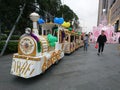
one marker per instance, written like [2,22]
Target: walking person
[119,40]
[101,40]
[86,40]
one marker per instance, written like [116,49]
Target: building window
[112,3]
[116,26]
[104,3]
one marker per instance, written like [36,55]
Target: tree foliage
[10,9]
[66,13]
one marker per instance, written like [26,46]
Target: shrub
[13,37]
[12,47]
[3,37]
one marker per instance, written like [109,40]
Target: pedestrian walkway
[88,71]
[78,71]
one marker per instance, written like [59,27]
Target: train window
[44,32]
[72,39]
[62,36]
[66,38]
[81,37]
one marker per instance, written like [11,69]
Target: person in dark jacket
[119,40]
[101,41]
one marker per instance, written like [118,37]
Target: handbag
[96,45]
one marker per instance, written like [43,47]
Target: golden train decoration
[35,55]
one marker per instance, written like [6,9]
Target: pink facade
[112,37]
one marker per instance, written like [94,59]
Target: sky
[86,10]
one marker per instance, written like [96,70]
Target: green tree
[9,11]
[66,13]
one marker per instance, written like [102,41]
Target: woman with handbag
[101,42]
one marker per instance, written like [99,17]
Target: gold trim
[44,66]
[45,39]
[49,63]
[52,57]
[27,57]
[34,51]
[62,46]
[27,69]
[32,71]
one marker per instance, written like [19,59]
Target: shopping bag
[96,45]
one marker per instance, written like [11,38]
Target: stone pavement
[78,71]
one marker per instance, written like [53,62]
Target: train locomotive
[36,53]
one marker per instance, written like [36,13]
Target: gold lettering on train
[22,67]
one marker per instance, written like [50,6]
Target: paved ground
[78,71]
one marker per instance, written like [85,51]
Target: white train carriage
[72,41]
[78,41]
[35,54]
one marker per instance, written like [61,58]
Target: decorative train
[36,53]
